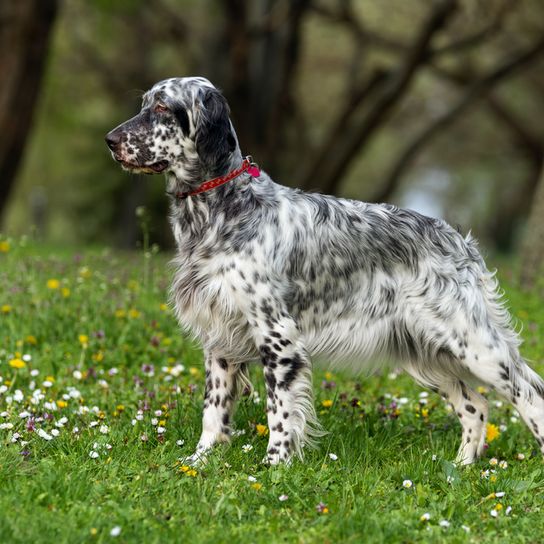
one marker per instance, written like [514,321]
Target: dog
[265,272]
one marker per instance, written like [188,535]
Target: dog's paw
[275,457]
[199,458]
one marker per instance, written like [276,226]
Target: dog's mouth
[153,168]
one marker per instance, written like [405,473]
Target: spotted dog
[265,272]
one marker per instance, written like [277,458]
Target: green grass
[54,491]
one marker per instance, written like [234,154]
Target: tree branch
[334,157]
[475,92]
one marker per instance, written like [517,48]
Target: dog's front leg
[287,372]
[219,399]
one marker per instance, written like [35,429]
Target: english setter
[269,273]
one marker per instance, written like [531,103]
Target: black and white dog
[269,273]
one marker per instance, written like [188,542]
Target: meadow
[100,400]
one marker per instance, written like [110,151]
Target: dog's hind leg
[223,383]
[471,409]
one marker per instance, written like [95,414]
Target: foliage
[120,394]
[327,95]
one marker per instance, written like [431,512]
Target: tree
[25,28]
[532,257]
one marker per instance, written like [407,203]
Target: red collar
[247,166]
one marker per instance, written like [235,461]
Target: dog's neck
[191,216]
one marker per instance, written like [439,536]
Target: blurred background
[435,105]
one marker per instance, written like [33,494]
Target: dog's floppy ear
[214,137]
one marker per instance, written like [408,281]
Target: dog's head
[183,128]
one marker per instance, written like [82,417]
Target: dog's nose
[112,139]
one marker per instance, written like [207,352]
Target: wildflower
[62,404]
[257,486]
[327,403]
[65,292]
[6,426]
[163,307]
[444,523]
[425,517]
[492,432]
[508,510]
[77,374]
[4,246]
[494,513]
[283,498]
[94,531]
[333,456]
[55,432]
[104,429]
[119,313]
[133,313]
[520,456]
[465,528]
[85,273]
[17,363]
[116,531]
[83,340]
[53,284]
[180,442]
[407,484]
[322,508]
[503,465]
[94,454]
[161,430]
[42,434]
[31,340]
[262,430]
[247,447]
[5,308]
[144,438]
[251,479]
[493,461]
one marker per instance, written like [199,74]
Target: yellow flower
[256,486]
[53,284]
[498,506]
[4,246]
[65,292]
[17,363]
[481,389]
[425,412]
[327,403]
[83,340]
[120,313]
[262,430]
[94,531]
[49,379]
[31,340]
[193,371]
[98,357]
[328,376]
[62,404]
[5,309]
[134,313]
[163,307]
[85,273]
[120,407]
[191,472]
[492,432]
[184,468]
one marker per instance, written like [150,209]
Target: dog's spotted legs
[219,399]
[287,371]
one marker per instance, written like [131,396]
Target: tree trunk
[532,255]
[25,27]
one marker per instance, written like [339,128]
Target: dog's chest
[207,299]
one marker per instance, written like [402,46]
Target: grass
[122,389]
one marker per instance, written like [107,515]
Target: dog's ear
[214,140]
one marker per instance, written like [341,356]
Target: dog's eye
[160,108]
